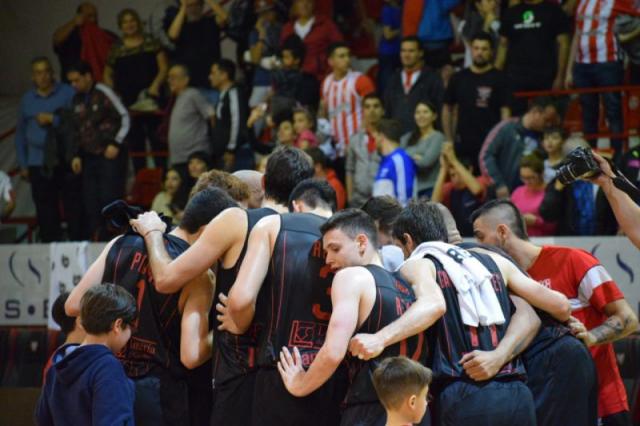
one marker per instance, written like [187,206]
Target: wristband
[148,232]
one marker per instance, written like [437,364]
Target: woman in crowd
[304,125]
[529,196]
[173,198]
[424,145]
[136,68]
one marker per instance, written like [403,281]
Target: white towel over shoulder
[477,299]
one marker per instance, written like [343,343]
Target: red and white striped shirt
[343,100]
[597,42]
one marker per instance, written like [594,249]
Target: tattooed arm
[621,322]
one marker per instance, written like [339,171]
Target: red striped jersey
[589,287]
[595,22]
[343,101]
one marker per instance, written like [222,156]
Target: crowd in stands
[434,117]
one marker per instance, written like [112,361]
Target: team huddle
[293,314]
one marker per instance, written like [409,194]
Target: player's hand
[366,346]
[76,165]
[579,330]
[607,174]
[291,370]
[147,222]
[226,323]
[482,365]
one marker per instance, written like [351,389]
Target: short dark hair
[352,222]
[384,210]
[129,11]
[202,156]
[335,46]
[228,67]
[318,156]
[390,129]
[296,46]
[423,221]
[509,215]
[183,66]
[413,39]
[314,193]
[67,324]
[103,304]
[286,167]
[397,378]
[483,36]
[81,68]
[372,95]
[555,130]
[203,207]
[541,103]
[534,162]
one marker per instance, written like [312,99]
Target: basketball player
[171,333]
[283,279]
[223,243]
[365,298]
[601,313]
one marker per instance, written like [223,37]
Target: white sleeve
[125,120]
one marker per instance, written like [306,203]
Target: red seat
[147,184]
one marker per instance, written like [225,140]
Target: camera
[579,164]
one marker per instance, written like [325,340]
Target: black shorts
[491,403]
[273,405]
[372,414]
[233,401]
[161,402]
[564,384]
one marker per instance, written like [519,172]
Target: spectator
[363,159]
[424,145]
[475,100]
[196,37]
[80,39]
[253,180]
[7,196]
[316,31]
[322,172]
[458,189]
[342,93]
[528,197]
[627,28]
[286,134]
[173,198]
[384,210]
[101,124]
[596,61]
[263,45]
[232,185]
[552,143]
[86,382]
[189,122]
[480,16]
[411,84]
[511,139]
[402,386]
[290,81]
[38,117]
[396,175]
[534,47]
[229,131]
[137,64]
[199,163]
[429,20]
[389,47]
[303,125]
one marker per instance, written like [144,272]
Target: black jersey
[298,299]
[393,297]
[234,355]
[154,346]
[449,338]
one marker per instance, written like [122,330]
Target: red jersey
[597,42]
[589,287]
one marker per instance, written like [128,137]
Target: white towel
[472,280]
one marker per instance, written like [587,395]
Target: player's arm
[523,327]
[620,323]
[195,339]
[426,310]
[241,302]
[346,292]
[91,278]
[170,275]
[551,301]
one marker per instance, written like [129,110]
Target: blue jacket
[30,136]
[435,24]
[86,385]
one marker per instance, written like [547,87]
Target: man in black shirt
[284,280]
[534,48]
[171,333]
[197,38]
[476,99]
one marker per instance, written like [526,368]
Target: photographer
[624,208]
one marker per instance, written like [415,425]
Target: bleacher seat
[147,184]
